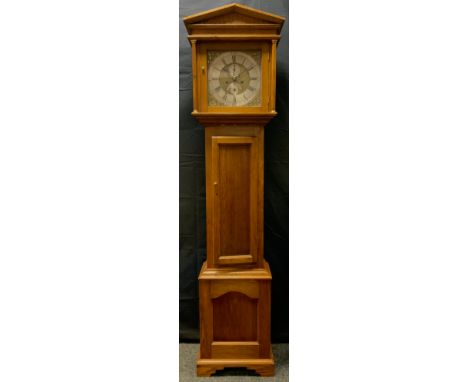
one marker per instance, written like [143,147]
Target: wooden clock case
[235,280]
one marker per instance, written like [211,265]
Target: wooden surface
[249,288]
[225,19]
[235,327]
[227,28]
[263,367]
[234,317]
[235,273]
[206,319]
[235,281]
[235,349]
[234,176]
[234,195]
[194,75]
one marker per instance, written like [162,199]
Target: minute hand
[232,78]
[245,70]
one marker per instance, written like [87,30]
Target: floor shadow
[239,371]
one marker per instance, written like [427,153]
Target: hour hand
[227,71]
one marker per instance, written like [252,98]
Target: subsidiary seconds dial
[234,79]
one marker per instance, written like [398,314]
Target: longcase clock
[234,77]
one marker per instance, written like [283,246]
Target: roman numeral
[253,78]
[218,88]
[251,88]
[233,59]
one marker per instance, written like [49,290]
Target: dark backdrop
[192,231]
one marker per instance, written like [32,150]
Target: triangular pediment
[233,18]
[233,14]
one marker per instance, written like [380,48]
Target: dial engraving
[238,74]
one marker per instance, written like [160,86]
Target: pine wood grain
[234,197]
[235,318]
[235,281]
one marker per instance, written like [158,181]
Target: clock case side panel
[193,44]
[202,75]
[257,219]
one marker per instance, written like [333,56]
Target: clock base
[235,319]
[265,367]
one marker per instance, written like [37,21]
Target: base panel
[265,367]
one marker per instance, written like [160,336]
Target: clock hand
[230,75]
[225,70]
[245,70]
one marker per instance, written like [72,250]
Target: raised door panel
[235,202]
[234,318]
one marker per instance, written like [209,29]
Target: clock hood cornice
[233,22]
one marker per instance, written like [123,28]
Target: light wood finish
[237,273]
[252,136]
[234,195]
[235,319]
[227,16]
[206,319]
[240,349]
[265,367]
[250,288]
[263,318]
[234,27]
[273,75]
[235,281]
[194,76]
[235,182]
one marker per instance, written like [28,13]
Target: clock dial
[234,78]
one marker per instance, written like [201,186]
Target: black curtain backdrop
[192,229]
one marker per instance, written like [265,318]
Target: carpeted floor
[188,358]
